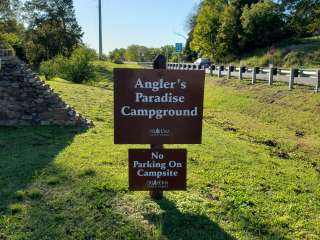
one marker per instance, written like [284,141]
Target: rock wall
[26,100]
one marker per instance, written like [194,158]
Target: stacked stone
[26,100]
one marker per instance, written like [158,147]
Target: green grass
[104,70]
[300,53]
[256,175]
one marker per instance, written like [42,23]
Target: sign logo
[159,132]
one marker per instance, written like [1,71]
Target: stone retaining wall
[26,100]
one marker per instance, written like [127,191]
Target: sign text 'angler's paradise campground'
[167,97]
[158,107]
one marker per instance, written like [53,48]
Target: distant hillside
[291,53]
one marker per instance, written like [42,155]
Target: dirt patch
[269,143]
[222,81]
[264,187]
[212,197]
[300,133]
[209,119]
[230,129]
[281,154]
[271,98]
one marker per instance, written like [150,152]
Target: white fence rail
[310,77]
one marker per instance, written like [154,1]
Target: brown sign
[163,169]
[158,106]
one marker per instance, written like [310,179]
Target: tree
[189,54]
[52,29]
[9,9]
[168,51]
[228,36]
[303,16]
[135,53]
[224,30]
[12,32]
[207,27]
[262,24]
[117,55]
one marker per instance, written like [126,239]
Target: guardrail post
[254,75]
[229,72]
[317,80]
[219,72]
[291,78]
[211,71]
[271,76]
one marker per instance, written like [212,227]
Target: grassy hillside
[256,175]
[292,53]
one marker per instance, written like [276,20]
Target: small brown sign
[163,169]
[158,106]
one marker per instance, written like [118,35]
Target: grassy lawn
[256,175]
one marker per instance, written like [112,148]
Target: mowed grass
[256,175]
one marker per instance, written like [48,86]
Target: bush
[118,61]
[78,68]
[53,68]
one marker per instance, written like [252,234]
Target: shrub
[294,58]
[78,68]
[53,68]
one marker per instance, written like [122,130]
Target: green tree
[169,51]
[52,29]
[117,55]
[137,53]
[262,24]
[228,36]
[303,17]
[207,26]
[12,32]
[9,9]
[189,54]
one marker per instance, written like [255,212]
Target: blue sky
[146,22]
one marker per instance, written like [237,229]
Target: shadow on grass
[174,224]
[85,211]
[24,153]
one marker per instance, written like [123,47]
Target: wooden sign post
[158,106]
[159,63]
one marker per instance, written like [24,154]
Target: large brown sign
[158,106]
[163,169]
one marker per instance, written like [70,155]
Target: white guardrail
[309,77]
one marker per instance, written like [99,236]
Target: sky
[152,23]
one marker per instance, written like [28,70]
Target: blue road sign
[178,47]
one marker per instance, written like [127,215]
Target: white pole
[254,75]
[291,79]
[270,75]
[317,80]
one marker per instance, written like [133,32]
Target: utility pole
[100,32]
